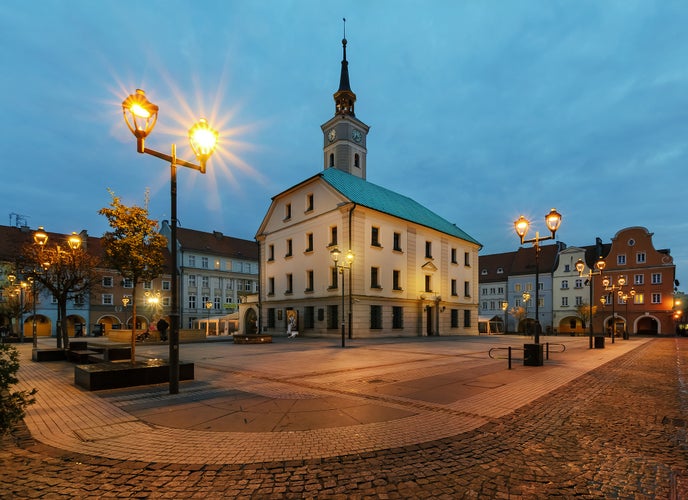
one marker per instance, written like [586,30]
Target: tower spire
[344,98]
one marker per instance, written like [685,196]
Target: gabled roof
[383,200]
[492,263]
[524,261]
[217,243]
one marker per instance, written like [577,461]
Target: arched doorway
[43,326]
[647,325]
[571,325]
[614,324]
[250,322]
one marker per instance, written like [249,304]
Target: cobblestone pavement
[618,431]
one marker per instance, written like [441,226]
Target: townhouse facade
[642,302]
[216,272]
[412,273]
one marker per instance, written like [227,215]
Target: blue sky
[480,110]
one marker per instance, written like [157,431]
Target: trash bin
[533,355]
[599,341]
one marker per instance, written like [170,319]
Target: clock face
[356,135]
[332,134]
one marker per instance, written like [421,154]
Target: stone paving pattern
[617,430]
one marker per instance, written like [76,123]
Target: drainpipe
[351,290]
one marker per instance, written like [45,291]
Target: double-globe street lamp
[614,289]
[526,298]
[626,297]
[340,267]
[40,238]
[580,267]
[533,353]
[141,115]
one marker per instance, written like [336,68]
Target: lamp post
[349,258]
[208,306]
[141,115]
[40,238]
[521,225]
[505,306]
[580,266]
[626,297]
[526,298]
[614,288]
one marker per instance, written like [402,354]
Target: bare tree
[134,248]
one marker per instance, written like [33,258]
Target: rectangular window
[397,242]
[396,279]
[564,302]
[564,284]
[128,283]
[454,291]
[517,287]
[271,252]
[640,257]
[271,286]
[453,256]
[309,281]
[375,317]
[192,302]
[639,298]
[466,288]
[656,278]
[579,300]
[454,318]
[205,281]
[656,298]
[334,275]
[166,285]
[621,259]
[204,262]
[467,319]
[466,259]
[107,299]
[217,303]
[271,317]
[192,280]
[428,284]
[428,249]
[192,261]
[397,317]
[332,316]
[289,248]
[147,285]
[333,236]
[309,242]
[309,202]
[290,284]
[374,277]
[579,283]
[107,281]
[638,279]
[166,301]
[375,236]
[287,211]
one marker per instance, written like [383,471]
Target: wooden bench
[79,356]
[48,354]
[113,375]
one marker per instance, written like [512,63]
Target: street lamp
[626,297]
[614,288]
[580,266]
[505,306]
[349,259]
[526,298]
[40,238]
[521,225]
[140,116]
[208,306]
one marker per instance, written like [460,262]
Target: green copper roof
[383,200]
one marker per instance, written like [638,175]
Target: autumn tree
[64,268]
[583,312]
[134,248]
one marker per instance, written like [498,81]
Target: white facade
[569,292]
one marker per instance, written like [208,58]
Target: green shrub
[12,404]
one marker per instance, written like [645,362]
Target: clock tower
[344,145]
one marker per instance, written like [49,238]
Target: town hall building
[340,254]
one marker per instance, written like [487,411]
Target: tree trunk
[133,325]
[63,324]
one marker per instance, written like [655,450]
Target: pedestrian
[162,326]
